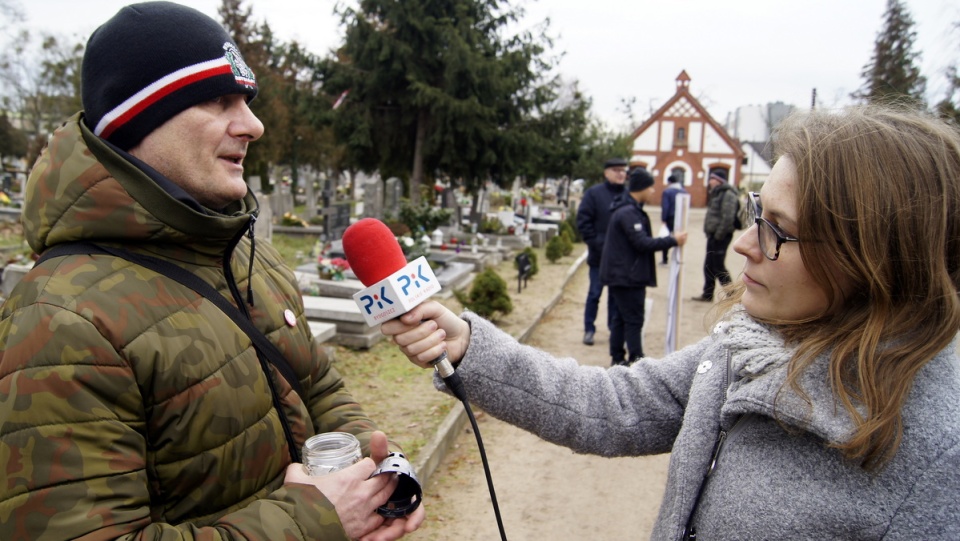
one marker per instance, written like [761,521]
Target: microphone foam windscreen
[372,251]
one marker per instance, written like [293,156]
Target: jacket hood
[83,188]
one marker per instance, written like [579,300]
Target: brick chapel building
[681,137]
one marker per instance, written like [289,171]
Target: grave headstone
[484,204]
[336,216]
[255,185]
[265,219]
[448,200]
[373,199]
[393,192]
[309,191]
[282,200]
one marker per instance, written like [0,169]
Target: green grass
[395,393]
[290,245]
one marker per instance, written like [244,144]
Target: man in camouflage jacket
[129,405]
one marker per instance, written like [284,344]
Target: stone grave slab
[322,332]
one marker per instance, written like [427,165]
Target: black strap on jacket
[266,350]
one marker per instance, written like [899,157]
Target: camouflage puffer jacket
[130,407]
[721,214]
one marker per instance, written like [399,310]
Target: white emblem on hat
[241,70]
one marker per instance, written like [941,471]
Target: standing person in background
[131,406]
[628,265]
[668,205]
[825,403]
[719,225]
[593,215]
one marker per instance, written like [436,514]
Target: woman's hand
[427,331]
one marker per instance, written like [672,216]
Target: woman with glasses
[825,403]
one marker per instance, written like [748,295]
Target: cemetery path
[546,491]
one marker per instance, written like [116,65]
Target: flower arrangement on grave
[290,219]
[412,247]
[329,268]
[333,269]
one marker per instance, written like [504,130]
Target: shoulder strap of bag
[194,282]
[263,346]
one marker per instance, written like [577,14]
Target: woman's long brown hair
[879,195]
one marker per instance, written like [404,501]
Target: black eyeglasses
[768,235]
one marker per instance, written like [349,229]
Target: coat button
[290,318]
[704,366]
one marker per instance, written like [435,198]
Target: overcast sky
[738,52]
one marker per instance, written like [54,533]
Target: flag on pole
[674,293]
[341,99]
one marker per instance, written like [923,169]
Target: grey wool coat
[773,479]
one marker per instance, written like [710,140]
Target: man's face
[645,195]
[615,175]
[202,149]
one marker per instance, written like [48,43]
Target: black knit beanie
[639,180]
[150,62]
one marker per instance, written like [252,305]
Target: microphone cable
[453,382]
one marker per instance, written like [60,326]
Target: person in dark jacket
[132,407]
[718,225]
[628,264]
[668,204]
[593,215]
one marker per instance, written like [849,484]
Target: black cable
[455,385]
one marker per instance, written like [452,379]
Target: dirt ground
[547,492]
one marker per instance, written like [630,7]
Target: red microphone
[372,250]
[393,287]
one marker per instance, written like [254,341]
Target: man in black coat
[592,218]
[628,264]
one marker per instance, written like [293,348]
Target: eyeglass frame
[760,222]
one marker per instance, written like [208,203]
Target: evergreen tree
[602,145]
[436,89]
[892,74]
[560,133]
[949,107]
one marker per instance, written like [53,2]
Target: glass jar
[329,452]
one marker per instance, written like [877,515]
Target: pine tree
[949,107]
[892,75]
[438,89]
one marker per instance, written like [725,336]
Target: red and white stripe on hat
[158,90]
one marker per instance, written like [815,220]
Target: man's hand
[681,237]
[356,496]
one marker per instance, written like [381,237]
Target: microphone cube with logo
[398,293]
